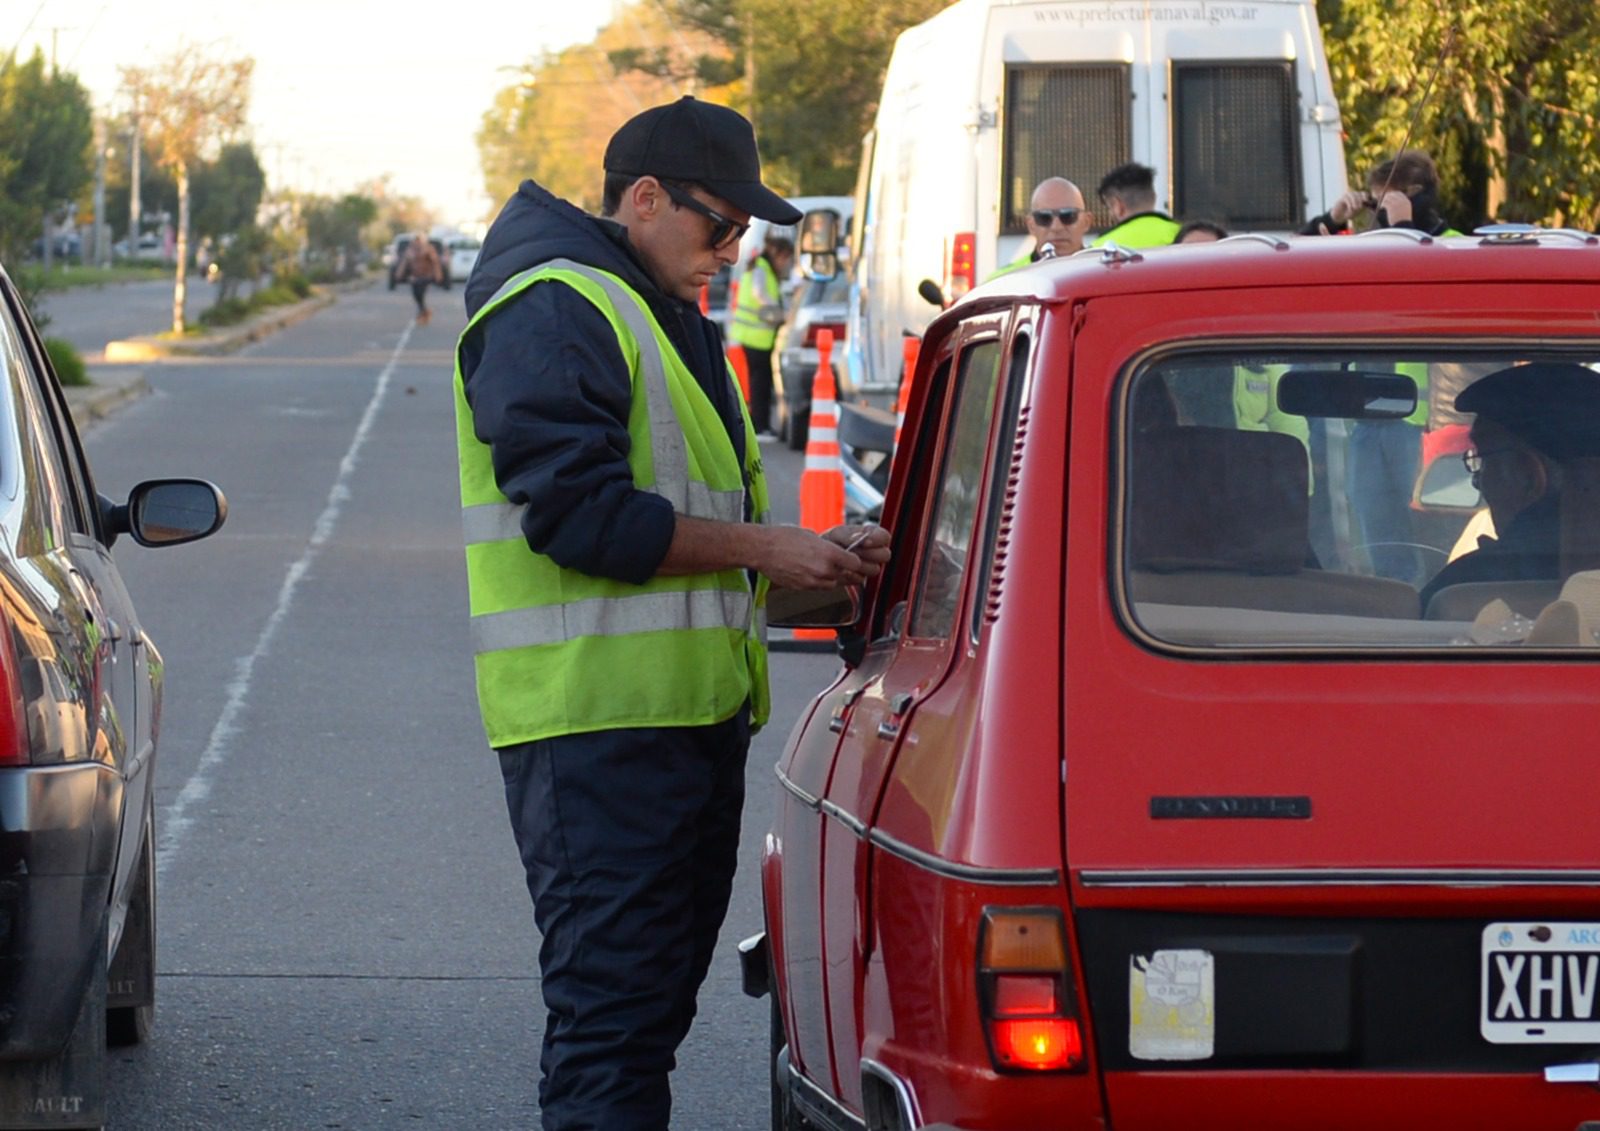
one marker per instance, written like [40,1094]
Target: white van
[1229,103]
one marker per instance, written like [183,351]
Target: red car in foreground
[1152,793]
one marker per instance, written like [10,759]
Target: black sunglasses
[1068,216]
[723,230]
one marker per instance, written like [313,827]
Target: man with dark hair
[1402,192]
[1530,420]
[1129,192]
[618,560]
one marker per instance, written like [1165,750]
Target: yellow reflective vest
[758,290]
[1148,229]
[562,652]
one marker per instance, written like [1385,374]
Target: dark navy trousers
[629,839]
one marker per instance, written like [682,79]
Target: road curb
[89,403]
[151,347]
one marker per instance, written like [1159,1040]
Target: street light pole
[133,189]
[101,256]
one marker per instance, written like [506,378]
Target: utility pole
[133,188]
[102,253]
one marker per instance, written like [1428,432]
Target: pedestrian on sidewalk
[618,560]
[421,265]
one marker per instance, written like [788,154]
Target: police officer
[756,317]
[1057,221]
[618,559]
[1129,193]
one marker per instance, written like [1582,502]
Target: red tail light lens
[814,328]
[1030,1011]
[13,712]
[961,270]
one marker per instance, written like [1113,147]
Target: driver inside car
[1530,419]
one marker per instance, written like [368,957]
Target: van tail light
[13,713]
[815,328]
[961,267]
[1030,1010]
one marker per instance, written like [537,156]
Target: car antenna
[1438,65]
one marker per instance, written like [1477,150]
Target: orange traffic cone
[909,349]
[705,298]
[822,481]
[741,368]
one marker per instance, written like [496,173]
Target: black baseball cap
[1552,406]
[711,145]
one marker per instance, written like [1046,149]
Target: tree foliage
[46,148]
[227,192]
[1512,116]
[188,105]
[334,230]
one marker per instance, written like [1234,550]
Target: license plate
[1541,983]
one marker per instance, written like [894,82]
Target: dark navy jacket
[550,390]
[1529,549]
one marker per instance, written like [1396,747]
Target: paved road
[346,941]
[89,317]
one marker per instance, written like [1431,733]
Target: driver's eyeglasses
[1472,458]
[723,230]
[1067,216]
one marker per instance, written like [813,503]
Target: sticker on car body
[1172,1005]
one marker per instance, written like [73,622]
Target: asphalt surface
[345,938]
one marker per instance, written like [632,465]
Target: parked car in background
[462,257]
[1146,796]
[816,305]
[149,247]
[80,699]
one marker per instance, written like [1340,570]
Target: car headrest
[1216,498]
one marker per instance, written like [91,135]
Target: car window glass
[955,506]
[57,443]
[49,490]
[1294,499]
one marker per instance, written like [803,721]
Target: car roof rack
[1510,235]
[1414,235]
[1276,243]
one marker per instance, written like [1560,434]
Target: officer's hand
[795,558]
[1348,205]
[1396,207]
[868,541]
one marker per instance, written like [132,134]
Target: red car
[1161,786]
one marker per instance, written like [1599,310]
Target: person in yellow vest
[1057,222]
[1129,194]
[618,558]
[756,318]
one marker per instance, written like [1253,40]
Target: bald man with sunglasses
[618,558]
[1056,219]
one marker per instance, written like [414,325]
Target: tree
[187,105]
[227,192]
[334,229]
[46,148]
[1512,118]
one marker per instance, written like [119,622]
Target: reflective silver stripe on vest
[668,453]
[610,616]
[502,522]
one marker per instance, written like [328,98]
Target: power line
[94,23]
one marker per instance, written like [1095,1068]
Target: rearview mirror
[167,512]
[813,608]
[819,243]
[1446,485]
[1348,394]
[930,292]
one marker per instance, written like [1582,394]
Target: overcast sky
[344,90]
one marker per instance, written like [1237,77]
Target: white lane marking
[179,817]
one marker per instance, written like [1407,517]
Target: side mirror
[819,243]
[813,608]
[930,292]
[168,512]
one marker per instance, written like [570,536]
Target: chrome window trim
[1341,877]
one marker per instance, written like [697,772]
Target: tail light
[1030,1010]
[961,268]
[13,713]
[814,328]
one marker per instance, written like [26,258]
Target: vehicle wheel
[799,427]
[784,1115]
[133,969]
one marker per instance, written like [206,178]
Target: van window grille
[1070,121]
[1236,144]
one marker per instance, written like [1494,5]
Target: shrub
[69,367]
[297,284]
[226,312]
